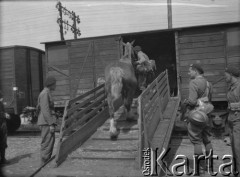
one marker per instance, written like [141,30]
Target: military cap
[50,80]
[233,71]
[197,67]
[137,48]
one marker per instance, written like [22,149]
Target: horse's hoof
[130,119]
[113,135]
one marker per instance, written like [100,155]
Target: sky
[32,22]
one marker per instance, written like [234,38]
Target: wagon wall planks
[233,46]
[7,74]
[83,61]
[23,77]
[57,56]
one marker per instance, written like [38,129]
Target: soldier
[233,96]
[198,134]
[47,119]
[3,131]
[143,66]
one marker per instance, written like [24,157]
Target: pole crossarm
[72,15]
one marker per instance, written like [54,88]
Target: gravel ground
[20,146]
[23,155]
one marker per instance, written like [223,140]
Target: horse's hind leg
[112,130]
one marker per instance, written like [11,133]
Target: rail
[151,106]
[82,116]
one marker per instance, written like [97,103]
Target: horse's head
[128,52]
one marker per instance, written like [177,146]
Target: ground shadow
[18,158]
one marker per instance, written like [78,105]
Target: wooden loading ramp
[100,156]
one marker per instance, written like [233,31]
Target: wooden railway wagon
[214,48]
[79,64]
[21,67]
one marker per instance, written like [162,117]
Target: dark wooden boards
[84,62]
[21,67]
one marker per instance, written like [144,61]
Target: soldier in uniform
[232,75]
[3,131]
[198,134]
[143,66]
[47,119]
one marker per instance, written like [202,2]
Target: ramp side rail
[151,105]
[82,116]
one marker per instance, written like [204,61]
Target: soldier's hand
[52,128]
[7,116]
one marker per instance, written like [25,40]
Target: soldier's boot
[3,159]
[200,165]
[209,162]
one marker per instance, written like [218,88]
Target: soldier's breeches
[47,143]
[3,136]
[234,125]
[197,136]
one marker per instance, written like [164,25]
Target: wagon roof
[20,46]
[142,32]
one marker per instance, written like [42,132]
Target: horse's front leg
[113,129]
[142,81]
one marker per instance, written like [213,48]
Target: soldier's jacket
[46,115]
[2,113]
[233,96]
[144,62]
[197,88]
[142,57]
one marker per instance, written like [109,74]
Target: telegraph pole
[62,22]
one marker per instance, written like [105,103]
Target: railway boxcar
[21,77]
[79,64]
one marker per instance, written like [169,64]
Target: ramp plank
[105,155]
[109,144]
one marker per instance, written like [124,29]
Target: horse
[120,83]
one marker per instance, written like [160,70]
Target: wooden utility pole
[61,22]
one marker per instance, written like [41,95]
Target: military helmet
[197,117]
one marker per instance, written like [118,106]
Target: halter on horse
[120,83]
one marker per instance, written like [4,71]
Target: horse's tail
[116,74]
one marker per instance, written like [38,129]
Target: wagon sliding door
[88,58]
[206,47]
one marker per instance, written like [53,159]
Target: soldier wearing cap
[143,66]
[232,75]
[3,131]
[47,119]
[198,134]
